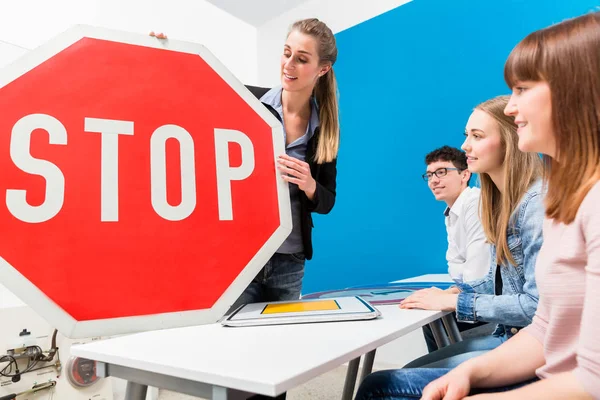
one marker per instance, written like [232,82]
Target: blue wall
[408,80]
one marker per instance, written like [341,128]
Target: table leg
[438,334]
[135,391]
[351,374]
[452,328]
[367,365]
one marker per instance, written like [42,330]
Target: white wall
[337,14]
[9,52]
[29,23]
[8,299]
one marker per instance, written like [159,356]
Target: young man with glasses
[468,254]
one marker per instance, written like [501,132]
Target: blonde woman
[306,103]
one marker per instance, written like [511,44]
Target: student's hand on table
[158,35]
[455,385]
[296,171]
[453,290]
[431,299]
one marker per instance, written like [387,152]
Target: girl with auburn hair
[555,77]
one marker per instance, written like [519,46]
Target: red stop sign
[138,188]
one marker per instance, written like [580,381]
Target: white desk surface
[250,358]
[445,278]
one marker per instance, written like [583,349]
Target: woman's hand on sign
[158,35]
[298,172]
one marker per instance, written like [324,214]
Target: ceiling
[256,12]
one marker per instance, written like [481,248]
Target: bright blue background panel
[408,81]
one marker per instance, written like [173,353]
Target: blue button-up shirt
[296,149]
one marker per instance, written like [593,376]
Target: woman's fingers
[292,165]
[410,304]
[158,35]
[293,161]
[291,180]
[290,171]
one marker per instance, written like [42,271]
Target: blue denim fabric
[280,279]
[517,304]
[456,353]
[403,384]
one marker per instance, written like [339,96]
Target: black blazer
[324,174]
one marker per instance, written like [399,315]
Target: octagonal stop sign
[139,188]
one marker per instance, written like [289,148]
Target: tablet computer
[302,311]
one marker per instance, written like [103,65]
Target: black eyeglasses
[440,173]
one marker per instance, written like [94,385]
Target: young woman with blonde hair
[306,103]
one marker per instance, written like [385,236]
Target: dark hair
[450,154]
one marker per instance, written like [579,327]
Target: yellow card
[301,306]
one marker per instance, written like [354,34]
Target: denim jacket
[516,306]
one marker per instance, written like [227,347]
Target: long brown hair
[567,57]
[520,171]
[325,90]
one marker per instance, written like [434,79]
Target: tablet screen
[301,306]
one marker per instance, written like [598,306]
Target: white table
[216,362]
[441,278]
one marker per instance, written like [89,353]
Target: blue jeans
[280,279]
[403,384]
[451,356]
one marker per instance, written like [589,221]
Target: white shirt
[468,253]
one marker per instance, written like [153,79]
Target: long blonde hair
[325,91]
[520,171]
[567,57]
